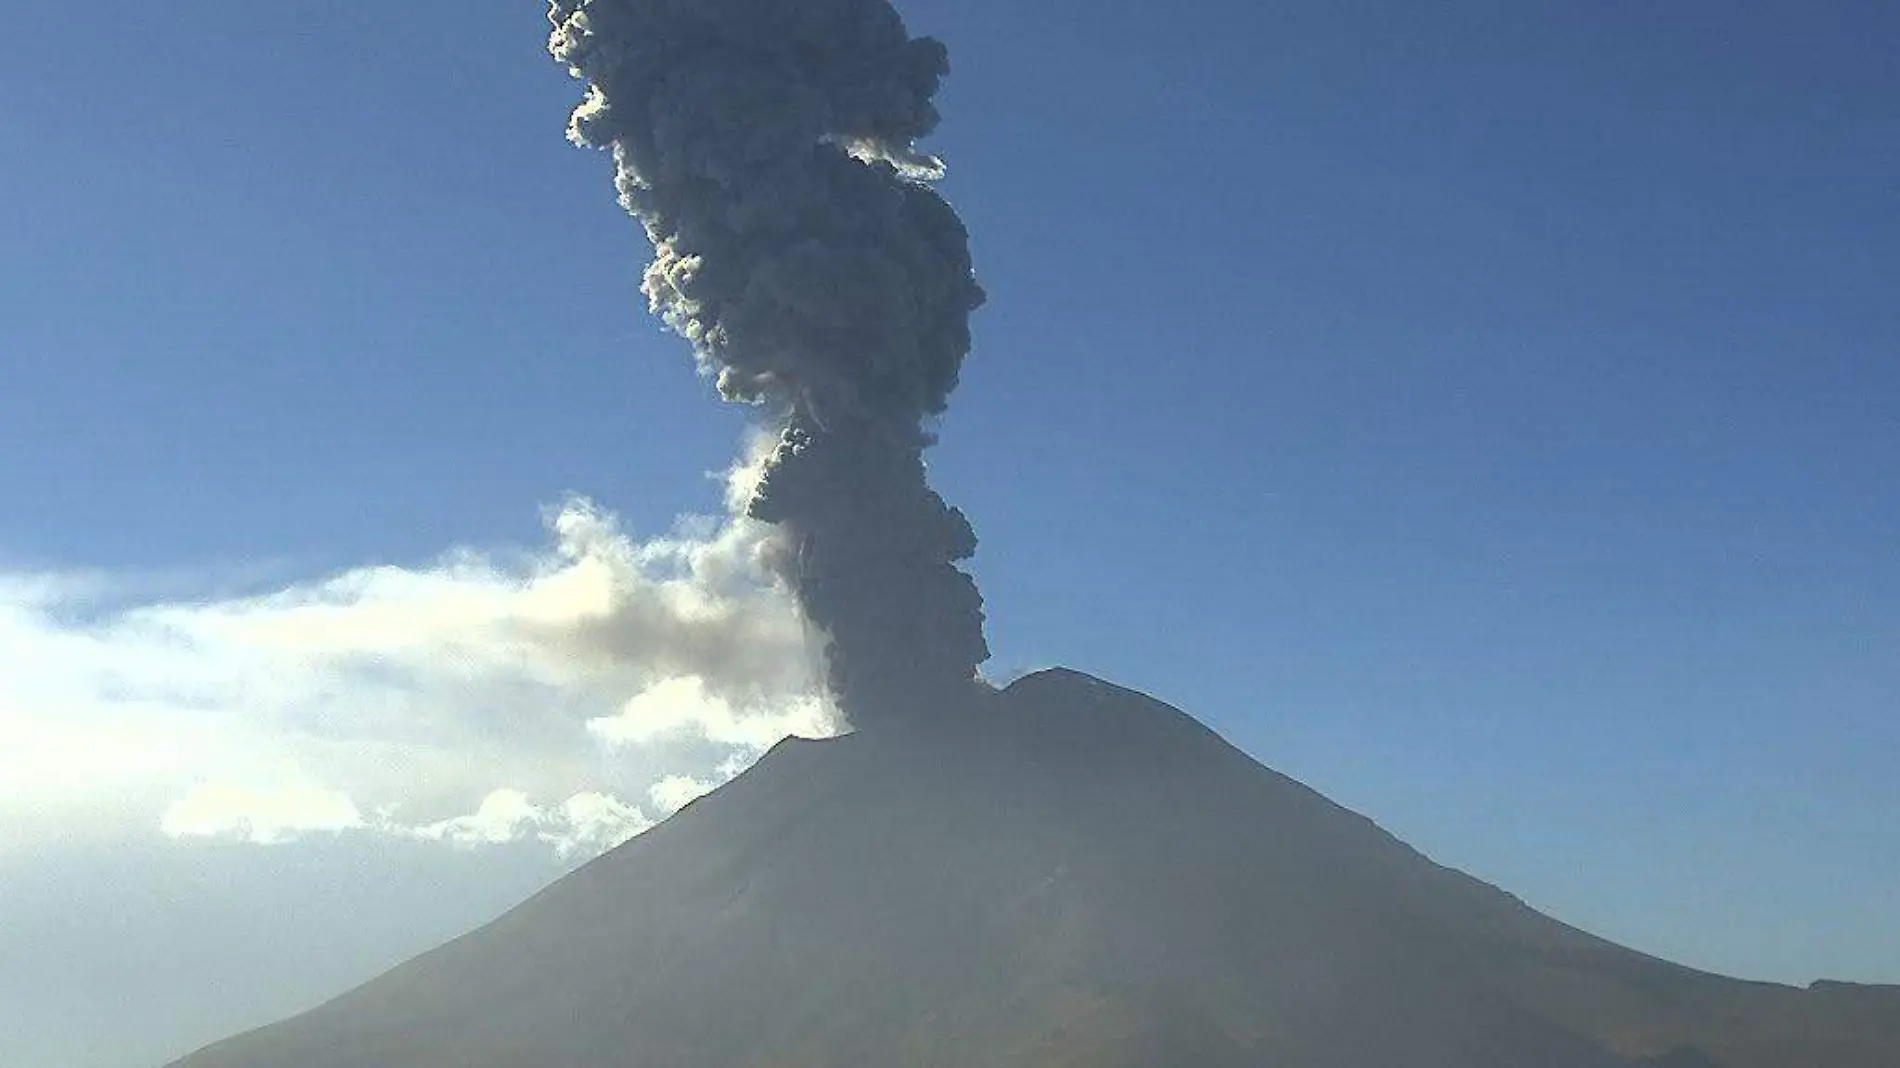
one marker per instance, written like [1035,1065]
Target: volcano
[1073,875]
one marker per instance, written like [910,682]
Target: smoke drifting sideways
[768,147]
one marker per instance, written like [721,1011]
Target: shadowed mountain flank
[1073,874]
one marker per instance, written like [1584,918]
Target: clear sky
[1485,413]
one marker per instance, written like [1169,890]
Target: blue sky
[1485,413]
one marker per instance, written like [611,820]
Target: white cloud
[675,792]
[588,671]
[593,823]
[266,816]
[504,816]
[583,824]
[687,705]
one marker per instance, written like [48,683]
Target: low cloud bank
[480,699]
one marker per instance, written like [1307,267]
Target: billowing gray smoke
[768,147]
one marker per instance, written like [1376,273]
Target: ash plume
[768,147]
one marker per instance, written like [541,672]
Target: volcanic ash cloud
[768,147]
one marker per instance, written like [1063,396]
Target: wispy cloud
[478,698]
[266,815]
[583,824]
[687,706]
[675,792]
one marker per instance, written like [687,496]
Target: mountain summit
[1073,876]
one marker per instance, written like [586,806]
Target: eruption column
[768,147]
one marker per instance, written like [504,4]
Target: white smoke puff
[705,607]
[912,164]
[745,476]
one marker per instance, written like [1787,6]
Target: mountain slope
[1072,875]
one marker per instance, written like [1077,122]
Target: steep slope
[1073,875]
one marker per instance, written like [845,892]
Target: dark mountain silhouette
[1077,875]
